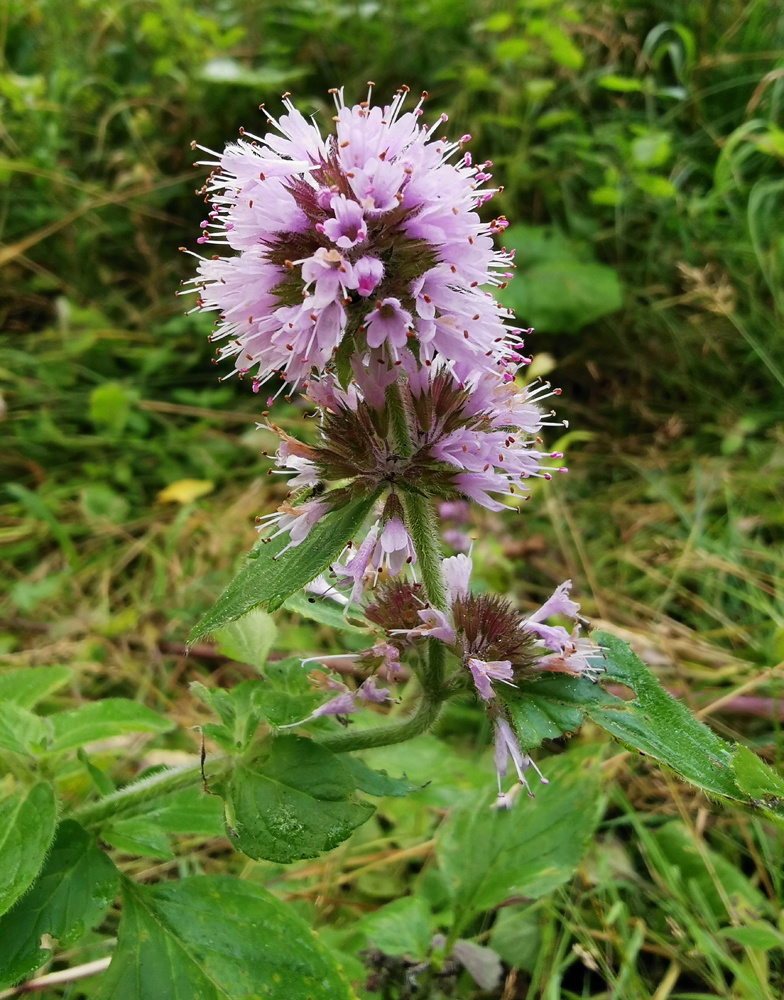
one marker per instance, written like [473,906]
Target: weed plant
[640,147]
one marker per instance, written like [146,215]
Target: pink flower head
[385,181]
[348,227]
[483,671]
[342,704]
[388,322]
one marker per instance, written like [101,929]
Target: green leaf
[758,781]
[517,936]
[545,709]
[563,296]
[138,836]
[377,783]
[20,730]
[400,928]
[491,854]
[102,781]
[27,822]
[323,611]
[280,708]
[267,580]
[295,805]
[73,891]
[249,639]
[622,84]
[287,675]
[189,812]
[100,720]
[758,935]
[110,407]
[657,725]
[216,938]
[28,685]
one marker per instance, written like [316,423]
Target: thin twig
[56,978]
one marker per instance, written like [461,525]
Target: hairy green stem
[422,525]
[397,732]
[398,421]
[140,792]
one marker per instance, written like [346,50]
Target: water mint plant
[356,267]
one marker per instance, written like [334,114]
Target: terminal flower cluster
[365,239]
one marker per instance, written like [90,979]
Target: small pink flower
[389,322]
[483,671]
[348,227]
[457,573]
[394,548]
[368,272]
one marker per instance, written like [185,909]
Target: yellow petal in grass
[185,490]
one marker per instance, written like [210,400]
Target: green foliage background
[640,147]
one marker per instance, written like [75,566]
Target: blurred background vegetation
[640,149]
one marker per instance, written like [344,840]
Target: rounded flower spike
[307,228]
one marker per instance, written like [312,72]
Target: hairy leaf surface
[27,822]
[73,891]
[268,578]
[216,938]
[295,805]
[490,855]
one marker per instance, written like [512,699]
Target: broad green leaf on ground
[216,938]
[248,639]
[400,928]
[100,720]
[490,855]
[762,785]
[558,286]
[21,731]
[27,822]
[268,578]
[294,805]
[657,725]
[377,783]
[75,888]
[678,848]
[517,936]
[444,776]
[28,685]
[323,611]
[138,835]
